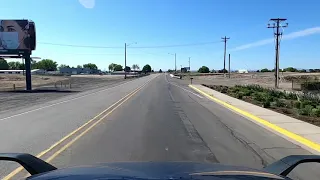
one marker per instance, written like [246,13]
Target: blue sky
[111,23]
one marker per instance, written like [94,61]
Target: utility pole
[229,66]
[125,60]
[225,39]
[175,62]
[277,35]
[189,64]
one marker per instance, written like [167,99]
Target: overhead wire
[132,47]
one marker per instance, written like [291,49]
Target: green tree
[90,66]
[64,66]
[16,65]
[111,66]
[127,69]
[118,67]
[204,69]
[222,71]
[290,69]
[160,71]
[79,66]
[146,68]
[47,64]
[265,70]
[3,64]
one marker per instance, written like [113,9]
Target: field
[48,88]
[262,79]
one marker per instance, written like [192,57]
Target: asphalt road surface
[163,120]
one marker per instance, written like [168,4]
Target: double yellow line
[84,128]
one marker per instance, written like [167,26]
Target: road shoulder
[296,131]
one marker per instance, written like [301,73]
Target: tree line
[289,69]
[118,67]
[50,65]
[46,64]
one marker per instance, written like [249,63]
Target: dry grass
[7,80]
[262,79]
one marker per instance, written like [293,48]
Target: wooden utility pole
[277,34]
[229,66]
[225,39]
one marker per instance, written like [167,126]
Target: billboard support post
[28,71]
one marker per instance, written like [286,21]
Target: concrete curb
[298,132]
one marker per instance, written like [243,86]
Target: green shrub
[258,96]
[305,103]
[247,92]
[307,110]
[315,112]
[235,89]
[297,104]
[292,96]
[224,89]
[239,95]
[275,93]
[270,98]
[255,87]
[280,103]
[266,104]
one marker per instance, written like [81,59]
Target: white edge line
[61,102]
[184,89]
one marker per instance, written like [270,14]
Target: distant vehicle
[41,170]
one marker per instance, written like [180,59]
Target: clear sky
[198,24]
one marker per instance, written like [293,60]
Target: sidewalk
[301,133]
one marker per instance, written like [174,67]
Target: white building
[242,71]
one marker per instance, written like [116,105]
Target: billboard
[16,36]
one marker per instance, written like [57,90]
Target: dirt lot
[7,81]
[51,89]
[263,79]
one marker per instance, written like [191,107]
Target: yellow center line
[308,143]
[124,99]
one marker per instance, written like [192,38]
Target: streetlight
[125,58]
[175,61]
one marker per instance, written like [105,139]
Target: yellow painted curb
[300,139]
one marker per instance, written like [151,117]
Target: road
[163,120]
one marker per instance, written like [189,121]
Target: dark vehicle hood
[155,170]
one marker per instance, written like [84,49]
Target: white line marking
[61,102]
[184,89]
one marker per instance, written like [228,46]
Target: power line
[133,47]
[177,45]
[80,46]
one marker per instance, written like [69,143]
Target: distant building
[242,71]
[78,71]
[122,72]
